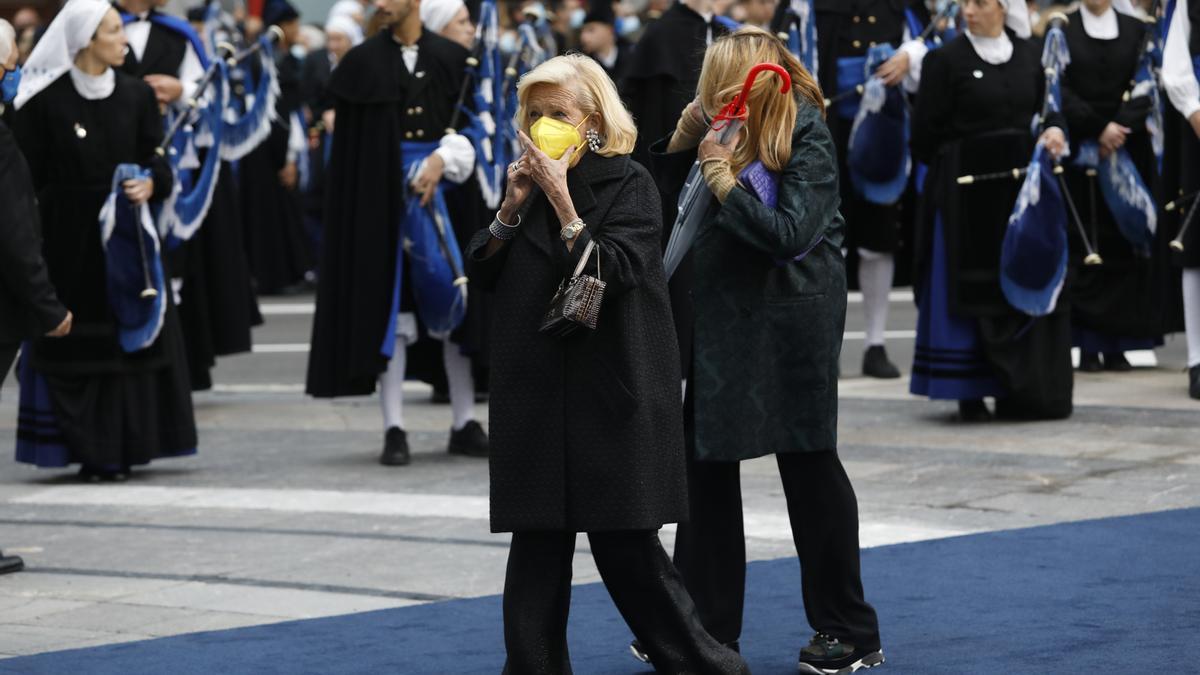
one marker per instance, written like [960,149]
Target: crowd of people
[157,175]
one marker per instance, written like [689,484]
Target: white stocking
[391,387]
[461,384]
[875,271]
[1191,314]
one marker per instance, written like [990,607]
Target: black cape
[365,189]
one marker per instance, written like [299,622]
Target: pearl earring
[593,139]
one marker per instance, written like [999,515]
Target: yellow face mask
[553,137]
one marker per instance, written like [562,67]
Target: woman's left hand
[711,147]
[549,174]
[139,191]
[1055,141]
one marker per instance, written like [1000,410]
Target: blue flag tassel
[137,293]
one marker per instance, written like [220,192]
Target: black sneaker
[826,655]
[1089,362]
[471,440]
[1194,382]
[395,448]
[10,563]
[640,654]
[1116,362]
[876,364]
[974,411]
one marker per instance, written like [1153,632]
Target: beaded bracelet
[502,230]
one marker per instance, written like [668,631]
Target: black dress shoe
[1089,362]
[471,440]
[90,474]
[10,563]
[395,448]
[1116,362]
[1194,382]
[974,410]
[876,364]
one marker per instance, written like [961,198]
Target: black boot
[1116,362]
[471,440]
[1194,382]
[395,448]
[10,563]
[876,364]
[974,410]
[1089,362]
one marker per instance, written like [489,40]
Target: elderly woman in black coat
[587,430]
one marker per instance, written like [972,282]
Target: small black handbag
[577,301]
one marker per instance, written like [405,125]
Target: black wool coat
[586,431]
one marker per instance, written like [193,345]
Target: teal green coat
[767,336]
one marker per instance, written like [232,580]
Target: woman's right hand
[520,184]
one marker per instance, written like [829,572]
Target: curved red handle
[737,108]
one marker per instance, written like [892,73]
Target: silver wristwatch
[571,230]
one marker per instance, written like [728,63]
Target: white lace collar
[93,87]
[1103,27]
[993,50]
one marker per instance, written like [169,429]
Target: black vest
[164,54]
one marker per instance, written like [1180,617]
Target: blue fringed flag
[1132,206]
[184,211]
[493,154]
[243,134]
[878,156]
[1056,56]
[801,26]
[137,294]
[1033,257]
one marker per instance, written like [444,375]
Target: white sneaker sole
[806,669]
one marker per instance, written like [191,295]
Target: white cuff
[297,142]
[458,156]
[916,50]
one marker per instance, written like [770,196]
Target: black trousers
[710,550]
[8,354]
[645,587]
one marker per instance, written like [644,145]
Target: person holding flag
[394,96]
[978,94]
[1180,56]
[114,393]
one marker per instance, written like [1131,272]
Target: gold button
[856,19]
[870,19]
[872,44]
[857,44]
[408,111]
[408,134]
[420,133]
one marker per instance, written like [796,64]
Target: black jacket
[28,304]
[587,431]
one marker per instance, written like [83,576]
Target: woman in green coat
[768,294]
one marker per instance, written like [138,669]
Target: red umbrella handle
[736,109]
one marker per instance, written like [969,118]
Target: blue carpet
[1091,597]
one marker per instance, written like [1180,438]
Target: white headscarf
[54,54]
[435,14]
[8,40]
[346,26]
[350,8]
[1017,18]
[1126,7]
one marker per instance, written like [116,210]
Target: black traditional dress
[973,117]
[216,301]
[277,247]
[1123,303]
[108,409]
[380,106]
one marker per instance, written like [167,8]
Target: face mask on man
[9,85]
[554,137]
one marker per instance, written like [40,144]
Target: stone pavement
[285,514]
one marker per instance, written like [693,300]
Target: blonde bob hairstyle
[594,93]
[772,116]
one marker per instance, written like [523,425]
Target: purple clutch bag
[764,184]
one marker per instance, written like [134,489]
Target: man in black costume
[846,30]
[394,96]
[598,39]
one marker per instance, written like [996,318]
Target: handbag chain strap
[587,253]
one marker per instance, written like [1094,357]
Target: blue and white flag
[1033,257]
[878,155]
[1132,206]
[137,293]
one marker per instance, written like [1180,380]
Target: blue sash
[175,25]
[426,241]
[137,293]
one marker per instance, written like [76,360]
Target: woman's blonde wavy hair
[768,131]
[594,93]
